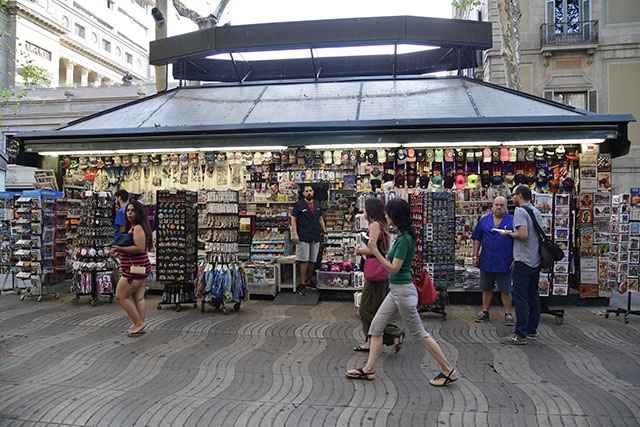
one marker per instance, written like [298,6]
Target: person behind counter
[308,229]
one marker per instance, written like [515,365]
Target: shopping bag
[426,290]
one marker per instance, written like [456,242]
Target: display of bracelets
[95,241]
[216,247]
[220,258]
[92,252]
[221,208]
[107,264]
[218,196]
[219,221]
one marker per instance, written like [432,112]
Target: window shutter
[592,101]
[585,17]
[550,27]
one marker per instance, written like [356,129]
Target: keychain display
[176,259]
[220,281]
[93,268]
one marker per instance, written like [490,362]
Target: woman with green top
[402,298]
[374,292]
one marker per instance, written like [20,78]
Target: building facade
[97,43]
[584,53]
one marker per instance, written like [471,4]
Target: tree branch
[201,21]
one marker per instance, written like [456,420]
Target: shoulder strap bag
[550,253]
[373,270]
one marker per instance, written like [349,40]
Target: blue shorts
[488,280]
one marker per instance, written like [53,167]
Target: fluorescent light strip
[351,146]
[158,150]
[452,144]
[78,153]
[247,148]
[331,147]
[501,143]
[559,142]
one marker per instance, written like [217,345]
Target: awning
[446,110]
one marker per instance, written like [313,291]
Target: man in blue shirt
[493,255]
[121,197]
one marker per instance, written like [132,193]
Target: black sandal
[361,375]
[359,348]
[447,379]
[398,347]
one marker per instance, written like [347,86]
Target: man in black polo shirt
[307,228]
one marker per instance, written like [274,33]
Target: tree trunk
[509,19]
[201,21]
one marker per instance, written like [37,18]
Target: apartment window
[106,45]
[568,16]
[110,4]
[587,100]
[128,58]
[79,31]
[574,99]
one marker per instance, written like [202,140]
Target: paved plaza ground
[283,365]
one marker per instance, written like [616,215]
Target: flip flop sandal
[447,379]
[136,333]
[359,348]
[361,375]
[398,347]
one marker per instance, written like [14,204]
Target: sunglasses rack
[438,247]
[92,267]
[418,203]
[177,253]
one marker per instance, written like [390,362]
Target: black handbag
[123,239]
[550,253]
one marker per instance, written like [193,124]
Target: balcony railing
[569,33]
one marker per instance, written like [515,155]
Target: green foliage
[461,4]
[34,75]
[9,93]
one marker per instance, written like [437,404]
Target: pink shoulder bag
[373,270]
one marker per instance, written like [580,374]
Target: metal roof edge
[425,125]
[168,92]
[322,33]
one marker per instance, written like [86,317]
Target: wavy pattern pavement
[277,365]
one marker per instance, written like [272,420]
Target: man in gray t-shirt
[526,268]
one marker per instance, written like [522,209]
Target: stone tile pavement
[280,365]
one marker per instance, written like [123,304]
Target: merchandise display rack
[624,255]
[61,241]
[7,208]
[417,203]
[34,228]
[220,278]
[270,243]
[339,260]
[92,267]
[439,238]
[177,253]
